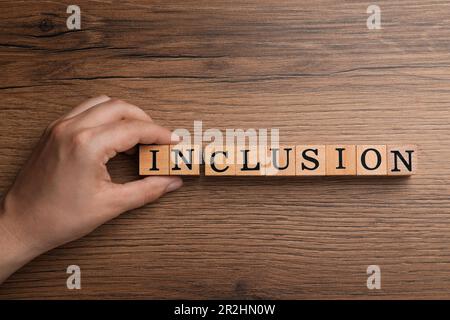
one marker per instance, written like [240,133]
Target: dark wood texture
[311,69]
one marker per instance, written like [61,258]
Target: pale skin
[64,191]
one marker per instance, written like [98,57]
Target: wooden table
[310,68]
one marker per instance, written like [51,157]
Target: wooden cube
[280,161]
[402,160]
[341,160]
[371,160]
[184,160]
[310,160]
[248,161]
[220,160]
[154,160]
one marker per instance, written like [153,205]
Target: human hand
[64,191]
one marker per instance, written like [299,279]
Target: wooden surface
[311,69]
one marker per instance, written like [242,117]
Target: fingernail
[176,184]
[175,138]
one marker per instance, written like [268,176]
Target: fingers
[109,111]
[86,105]
[121,136]
[135,194]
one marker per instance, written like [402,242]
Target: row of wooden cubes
[284,160]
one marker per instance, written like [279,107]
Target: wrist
[15,251]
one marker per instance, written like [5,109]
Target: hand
[65,191]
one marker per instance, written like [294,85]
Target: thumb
[137,193]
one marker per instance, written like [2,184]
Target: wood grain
[309,68]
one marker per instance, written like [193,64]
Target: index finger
[122,135]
